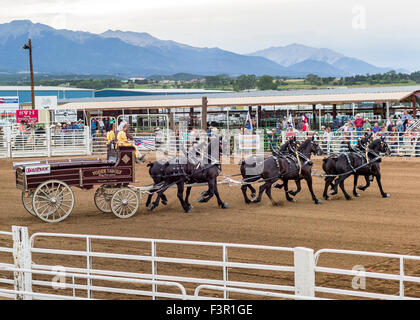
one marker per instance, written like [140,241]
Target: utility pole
[29,47]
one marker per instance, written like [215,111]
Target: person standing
[101,126]
[358,124]
[93,127]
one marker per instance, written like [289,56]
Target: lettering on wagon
[106,172]
[40,169]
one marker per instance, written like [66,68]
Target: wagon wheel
[103,196]
[124,203]
[27,201]
[53,201]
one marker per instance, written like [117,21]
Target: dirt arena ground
[369,223]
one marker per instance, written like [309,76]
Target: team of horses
[290,162]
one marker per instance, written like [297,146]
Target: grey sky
[384,33]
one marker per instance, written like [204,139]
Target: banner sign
[249,142]
[145,143]
[39,169]
[46,102]
[65,115]
[9,104]
[31,116]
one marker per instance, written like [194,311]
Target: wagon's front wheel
[124,203]
[53,201]
[27,197]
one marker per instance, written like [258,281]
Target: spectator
[74,126]
[93,127]
[358,124]
[101,126]
[390,125]
[327,139]
[367,125]
[106,124]
[376,128]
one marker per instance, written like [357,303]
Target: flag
[305,118]
[249,121]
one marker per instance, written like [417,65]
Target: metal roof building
[252,98]
[24,92]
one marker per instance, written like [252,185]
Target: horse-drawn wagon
[46,186]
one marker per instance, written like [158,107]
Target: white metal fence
[96,267]
[403,144]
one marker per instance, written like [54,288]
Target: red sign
[27,115]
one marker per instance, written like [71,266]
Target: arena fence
[401,144]
[103,267]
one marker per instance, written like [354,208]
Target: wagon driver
[122,140]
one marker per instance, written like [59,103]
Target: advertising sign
[9,104]
[65,115]
[46,102]
[38,169]
[31,116]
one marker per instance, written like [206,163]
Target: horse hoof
[225,206]
[253,195]
[164,202]
[361,188]
[151,208]
[291,200]
[318,201]
[247,201]
[348,198]
[386,195]
[256,201]
[327,198]
[276,204]
[333,193]
[356,195]
[201,200]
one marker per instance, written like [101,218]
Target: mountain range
[125,53]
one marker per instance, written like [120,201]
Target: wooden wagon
[46,186]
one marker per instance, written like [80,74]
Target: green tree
[266,83]
[245,82]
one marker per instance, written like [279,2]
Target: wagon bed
[46,186]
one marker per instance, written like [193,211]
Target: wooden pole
[204,114]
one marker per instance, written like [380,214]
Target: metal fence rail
[27,278]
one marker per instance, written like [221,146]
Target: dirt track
[369,223]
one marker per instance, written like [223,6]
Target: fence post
[304,272]
[88,141]
[49,140]
[8,132]
[22,260]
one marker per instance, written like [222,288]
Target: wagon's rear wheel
[124,203]
[53,201]
[103,196]
[27,197]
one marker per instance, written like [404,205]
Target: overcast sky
[385,33]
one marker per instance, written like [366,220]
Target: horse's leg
[378,180]
[299,188]
[253,191]
[340,182]
[149,199]
[243,189]
[187,195]
[286,191]
[154,205]
[260,193]
[356,177]
[210,193]
[164,199]
[308,178]
[363,188]
[180,195]
[221,204]
[328,182]
[268,192]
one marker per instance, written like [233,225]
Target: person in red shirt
[358,123]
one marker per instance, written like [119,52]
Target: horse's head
[380,146]
[292,144]
[361,143]
[316,149]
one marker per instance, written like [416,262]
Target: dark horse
[252,168]
[300,167]
[342,166]
[182,170]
